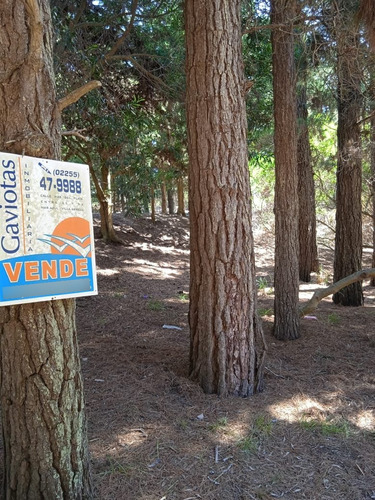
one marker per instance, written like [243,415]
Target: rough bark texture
[227,345]
[286,196]
[308,251]
[42,403]
[372,159]
[348,240]
[41,388]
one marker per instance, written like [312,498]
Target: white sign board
[46,232]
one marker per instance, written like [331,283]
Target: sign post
[46,231]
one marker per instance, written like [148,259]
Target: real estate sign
[46,232]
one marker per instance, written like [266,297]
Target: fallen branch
[312,304]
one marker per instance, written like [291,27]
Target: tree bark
[227,346]
[286,312]
[163,198]
[105,205]
[180,197]
[170,201]
[348,239]
[42,403]
[153,208]
[44,430]
[372,160]
[308,252]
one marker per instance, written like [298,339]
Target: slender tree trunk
[227,346]
[287,318]
[105,208]
[153,210]
[163,198]
[44,430]
[170,201]
[348,240]
[123,203]
[308,252]
[180,197]
[106,205]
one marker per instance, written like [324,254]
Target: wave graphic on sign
[84,251]
[71,236]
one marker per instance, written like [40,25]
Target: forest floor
[154,435]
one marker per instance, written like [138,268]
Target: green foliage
[265,311]
[333,319]
[326,427]
[134,124]
[155,305]
[221,423]
[261,429]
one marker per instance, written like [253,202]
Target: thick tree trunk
[42,403]
[227,347]
[372,159]
[46,454]
[348,240]
[286,195]
[308,252]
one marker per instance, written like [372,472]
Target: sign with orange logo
[46,232]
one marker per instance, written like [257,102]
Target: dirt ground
[154,435]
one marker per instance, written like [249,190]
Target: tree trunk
[105,208]
[348,240]
[372,160]
[227,346]
[170,201]
[106,205]
[308,252]
[123,203]
[153,210]
[286,311]
[163,198]
[42,403]
[180,197]
[44,430]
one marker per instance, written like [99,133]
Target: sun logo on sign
[70,237]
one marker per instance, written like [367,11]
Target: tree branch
[312,304]
[371,115]
[75,95]
[36,30]
[123,37]
[76,133]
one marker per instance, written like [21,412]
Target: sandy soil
[154,435]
